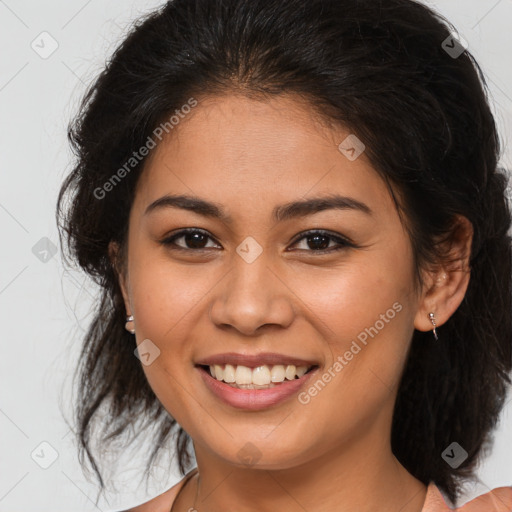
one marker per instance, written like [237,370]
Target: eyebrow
[280,213]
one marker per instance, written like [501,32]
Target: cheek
[365,314]
[164,296]
[349,302]
[166,302]
[367,322]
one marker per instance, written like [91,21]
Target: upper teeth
[261,375]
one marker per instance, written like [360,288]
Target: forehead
[237,149]
[242,128]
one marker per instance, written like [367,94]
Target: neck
[354,477]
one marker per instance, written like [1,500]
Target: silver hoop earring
[128,320]
[431,316]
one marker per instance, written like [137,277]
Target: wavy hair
[380,68]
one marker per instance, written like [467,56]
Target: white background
[44,308]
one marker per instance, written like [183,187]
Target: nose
[252,295]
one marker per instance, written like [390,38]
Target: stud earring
[431,316]
[128,320]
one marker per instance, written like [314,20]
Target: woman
[295,214]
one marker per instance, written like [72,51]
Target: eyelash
[344,242]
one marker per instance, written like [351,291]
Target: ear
[114,256]
[446,285]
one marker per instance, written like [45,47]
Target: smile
[289,380]
[260,377]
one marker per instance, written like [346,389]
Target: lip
[254,360]
[254,399]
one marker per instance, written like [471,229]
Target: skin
[334,453]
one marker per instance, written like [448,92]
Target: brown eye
[318,241]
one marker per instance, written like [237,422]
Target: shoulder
[497,500]
[164,501]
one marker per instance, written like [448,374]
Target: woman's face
[256,283]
